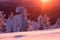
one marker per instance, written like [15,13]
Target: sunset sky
[35,7]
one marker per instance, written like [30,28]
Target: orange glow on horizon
[45,1]
[45,4]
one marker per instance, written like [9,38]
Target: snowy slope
[32,35]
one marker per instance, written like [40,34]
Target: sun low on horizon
[44,1]
[45,4]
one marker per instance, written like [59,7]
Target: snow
[51,34]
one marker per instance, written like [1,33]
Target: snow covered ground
[53,34]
